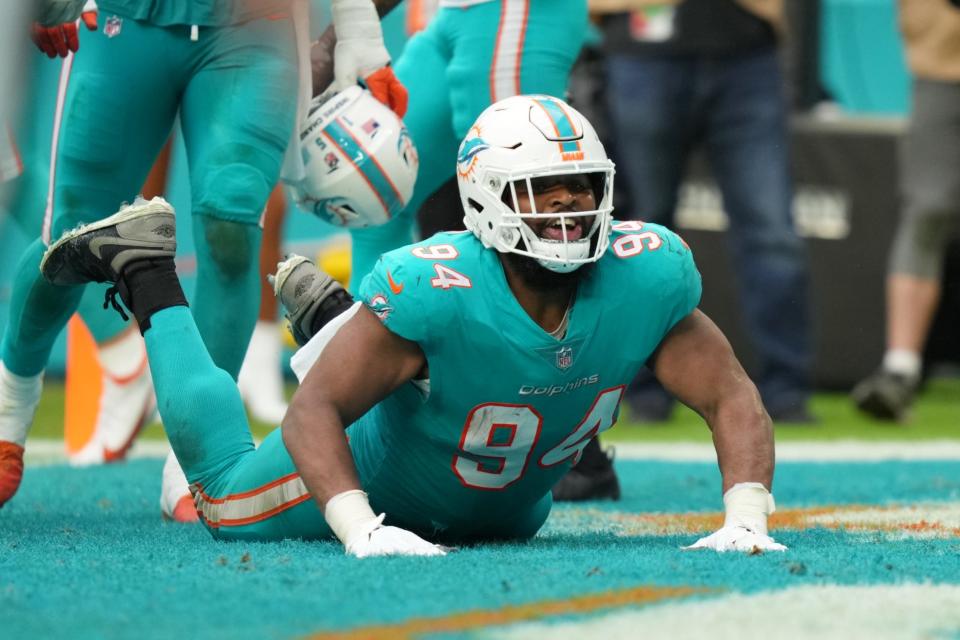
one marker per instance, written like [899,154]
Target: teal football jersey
[205,13]
[507,408]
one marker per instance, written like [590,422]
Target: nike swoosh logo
[396,288]
[102,241]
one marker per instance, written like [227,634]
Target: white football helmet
[520,139]
[360,161]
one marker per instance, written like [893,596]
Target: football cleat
[886,395]
[11,470]
[592,478]
[19,397]
[127,404]
[307,295]
[100,251]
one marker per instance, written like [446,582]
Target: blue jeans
[661,109]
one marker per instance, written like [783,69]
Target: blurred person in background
[692,73]
[13,40]
[230,70]
[930,213]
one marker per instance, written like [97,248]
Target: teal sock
[199,403]
[38,313]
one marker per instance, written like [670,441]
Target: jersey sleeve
[688,286]
[660,270]
[393,291]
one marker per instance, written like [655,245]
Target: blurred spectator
[706,72]
[930,184]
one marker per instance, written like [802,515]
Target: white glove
[361,55]
[363,534]
[736,539]
[747,506]
[374,539]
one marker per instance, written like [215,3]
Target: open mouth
[553,229]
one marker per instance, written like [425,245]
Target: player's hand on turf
[374,539]
[361,55]
[55,31]
[736,538]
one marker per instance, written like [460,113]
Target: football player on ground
[470,374]
[229,69]
[473,53]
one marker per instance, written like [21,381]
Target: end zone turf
[83,553]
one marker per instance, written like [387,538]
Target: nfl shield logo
[113,26]
[564,358]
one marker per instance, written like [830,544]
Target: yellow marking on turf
[930,520]
[409,629]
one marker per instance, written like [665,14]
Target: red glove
[61,39]
[385,87]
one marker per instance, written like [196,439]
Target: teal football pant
[465,60]
[249,493]
[235,90]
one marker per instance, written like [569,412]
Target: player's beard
[541,279]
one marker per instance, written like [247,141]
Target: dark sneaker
[100,251]
[309,296]
[592,478]
[886,395]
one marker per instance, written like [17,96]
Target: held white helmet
[360,161]
[518,140]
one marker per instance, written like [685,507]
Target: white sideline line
[48,451]
[820,451]
[51,451]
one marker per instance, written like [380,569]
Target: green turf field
[936,416]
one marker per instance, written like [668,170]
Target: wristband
[748,504]
[348,514]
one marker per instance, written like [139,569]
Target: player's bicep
[696,363]
[362,364]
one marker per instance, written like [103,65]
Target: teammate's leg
[261,377]
[112,120]
[237,115]
[510,48]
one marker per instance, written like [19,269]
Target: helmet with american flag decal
[359,159]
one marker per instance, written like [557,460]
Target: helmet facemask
[572,237]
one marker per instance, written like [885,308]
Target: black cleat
[100,251]
[592,478]
[309,296]
[886,395]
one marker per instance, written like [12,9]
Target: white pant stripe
[248,509]
[505,73]
[57,120]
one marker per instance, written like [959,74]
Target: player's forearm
[314,437]
[743,437]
